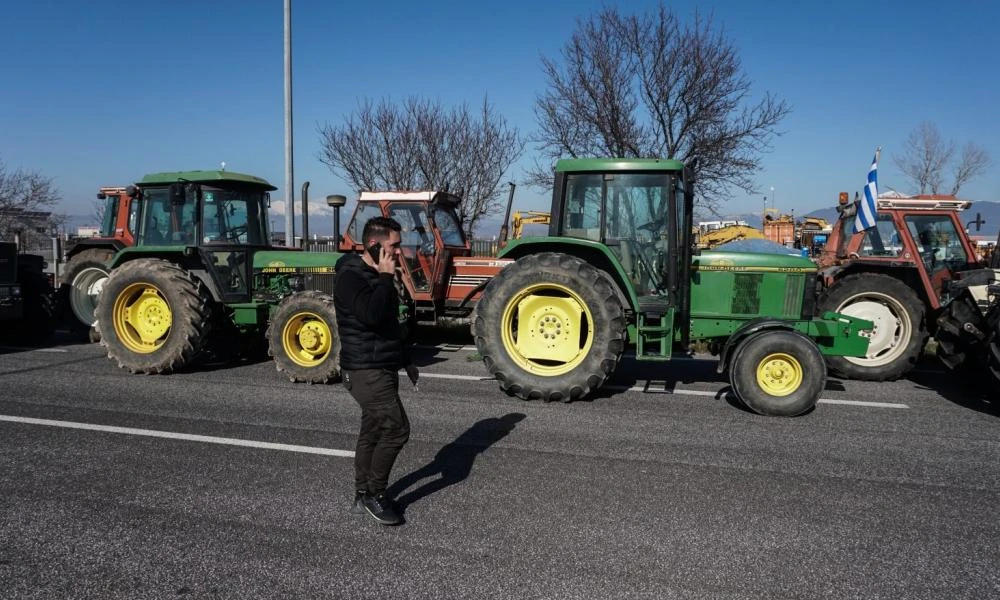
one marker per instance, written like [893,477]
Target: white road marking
[863,403]
[458,377]
[179,436]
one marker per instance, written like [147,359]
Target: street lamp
[772,196]
[335,201]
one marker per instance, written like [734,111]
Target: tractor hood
[291,260]
[752,261]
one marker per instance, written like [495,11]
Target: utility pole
[289,171]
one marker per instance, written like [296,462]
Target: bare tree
[24,198]
[650,86]
[926,156]
[975,161]
[423,145]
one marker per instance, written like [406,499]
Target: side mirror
[131,191]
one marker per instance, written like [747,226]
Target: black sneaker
[357,508]
[381,509]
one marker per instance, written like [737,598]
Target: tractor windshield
[109,214]
[233,217]
[629,212]
[165,223]
[449,225]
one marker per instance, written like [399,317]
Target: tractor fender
[746,330]
[97,243]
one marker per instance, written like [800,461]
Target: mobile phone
[375,251]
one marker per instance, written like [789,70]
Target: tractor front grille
[320,282]
[746,295]
[793,296]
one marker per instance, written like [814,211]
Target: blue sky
[101,92]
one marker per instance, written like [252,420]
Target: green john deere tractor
[619,269]
[203,273]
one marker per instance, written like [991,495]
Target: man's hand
[413,374]
[387,261]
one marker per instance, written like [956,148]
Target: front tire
[153,315]
[900,332]
[550,327]
[303,340]
[778,373]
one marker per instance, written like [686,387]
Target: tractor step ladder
[654,329]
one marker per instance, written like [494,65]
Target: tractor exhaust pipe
[506,217]
[305,216]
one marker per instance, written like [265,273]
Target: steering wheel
[236,232]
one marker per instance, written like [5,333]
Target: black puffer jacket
[367,317]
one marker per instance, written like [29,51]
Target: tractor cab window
[938,242]
[133,215]
[636,222]
[582,216]
[449,225]
[165,223]
[232,217]
[109,215]
[636,208]
[362,214]
[416,241]
[883,239]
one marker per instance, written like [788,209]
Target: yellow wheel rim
[547,329]
[307,339]
[779,374]
[142,318]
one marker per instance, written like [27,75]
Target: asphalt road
[121,486]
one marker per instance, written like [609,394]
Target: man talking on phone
[371,354]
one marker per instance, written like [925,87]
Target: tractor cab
[643,218]
[921,238]
[432,236]
[219,217]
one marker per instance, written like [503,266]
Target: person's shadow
[454,461]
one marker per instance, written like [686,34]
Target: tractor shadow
[972,390]
[433,345]
[453,463]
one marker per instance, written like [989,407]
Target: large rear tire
[993,352]
[80,285]
[961,333]
[302,338]
[899,335]
[778,373]
[153,316]
[550,327]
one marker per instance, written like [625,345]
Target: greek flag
[868,208]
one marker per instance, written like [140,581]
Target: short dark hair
[378,228]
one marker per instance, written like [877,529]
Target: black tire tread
[609,336]
[743,373]
[191,315]
[314,301]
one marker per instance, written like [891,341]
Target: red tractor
[86,268]
[895,274]
[441,278]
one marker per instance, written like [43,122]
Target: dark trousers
[384,426]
